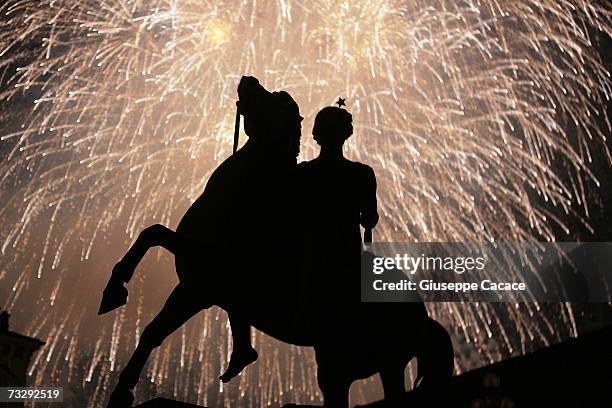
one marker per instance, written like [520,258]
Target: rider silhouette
[272,121]
[336,196]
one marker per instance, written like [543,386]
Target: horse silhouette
[238,247]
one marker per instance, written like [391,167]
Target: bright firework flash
[114,113]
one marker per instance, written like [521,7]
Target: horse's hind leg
[435,358]
[392,377]
[333,378]
[334,386]
[181,305]
[115,294]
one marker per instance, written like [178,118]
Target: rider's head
[271,119]
[332,126]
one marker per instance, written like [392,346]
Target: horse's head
[272,120]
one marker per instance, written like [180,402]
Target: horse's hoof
[120,398]
[115,295]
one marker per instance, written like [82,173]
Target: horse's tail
[435,357]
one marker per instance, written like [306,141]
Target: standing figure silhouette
[339,196]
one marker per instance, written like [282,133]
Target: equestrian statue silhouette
[278,245]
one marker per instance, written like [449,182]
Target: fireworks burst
[116,111]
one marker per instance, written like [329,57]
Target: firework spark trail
[117,111]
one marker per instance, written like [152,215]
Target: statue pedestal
[166,403]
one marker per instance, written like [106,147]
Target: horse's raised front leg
[155,235]
[115,294]
[182,304]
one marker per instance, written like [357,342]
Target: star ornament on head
[341,102]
